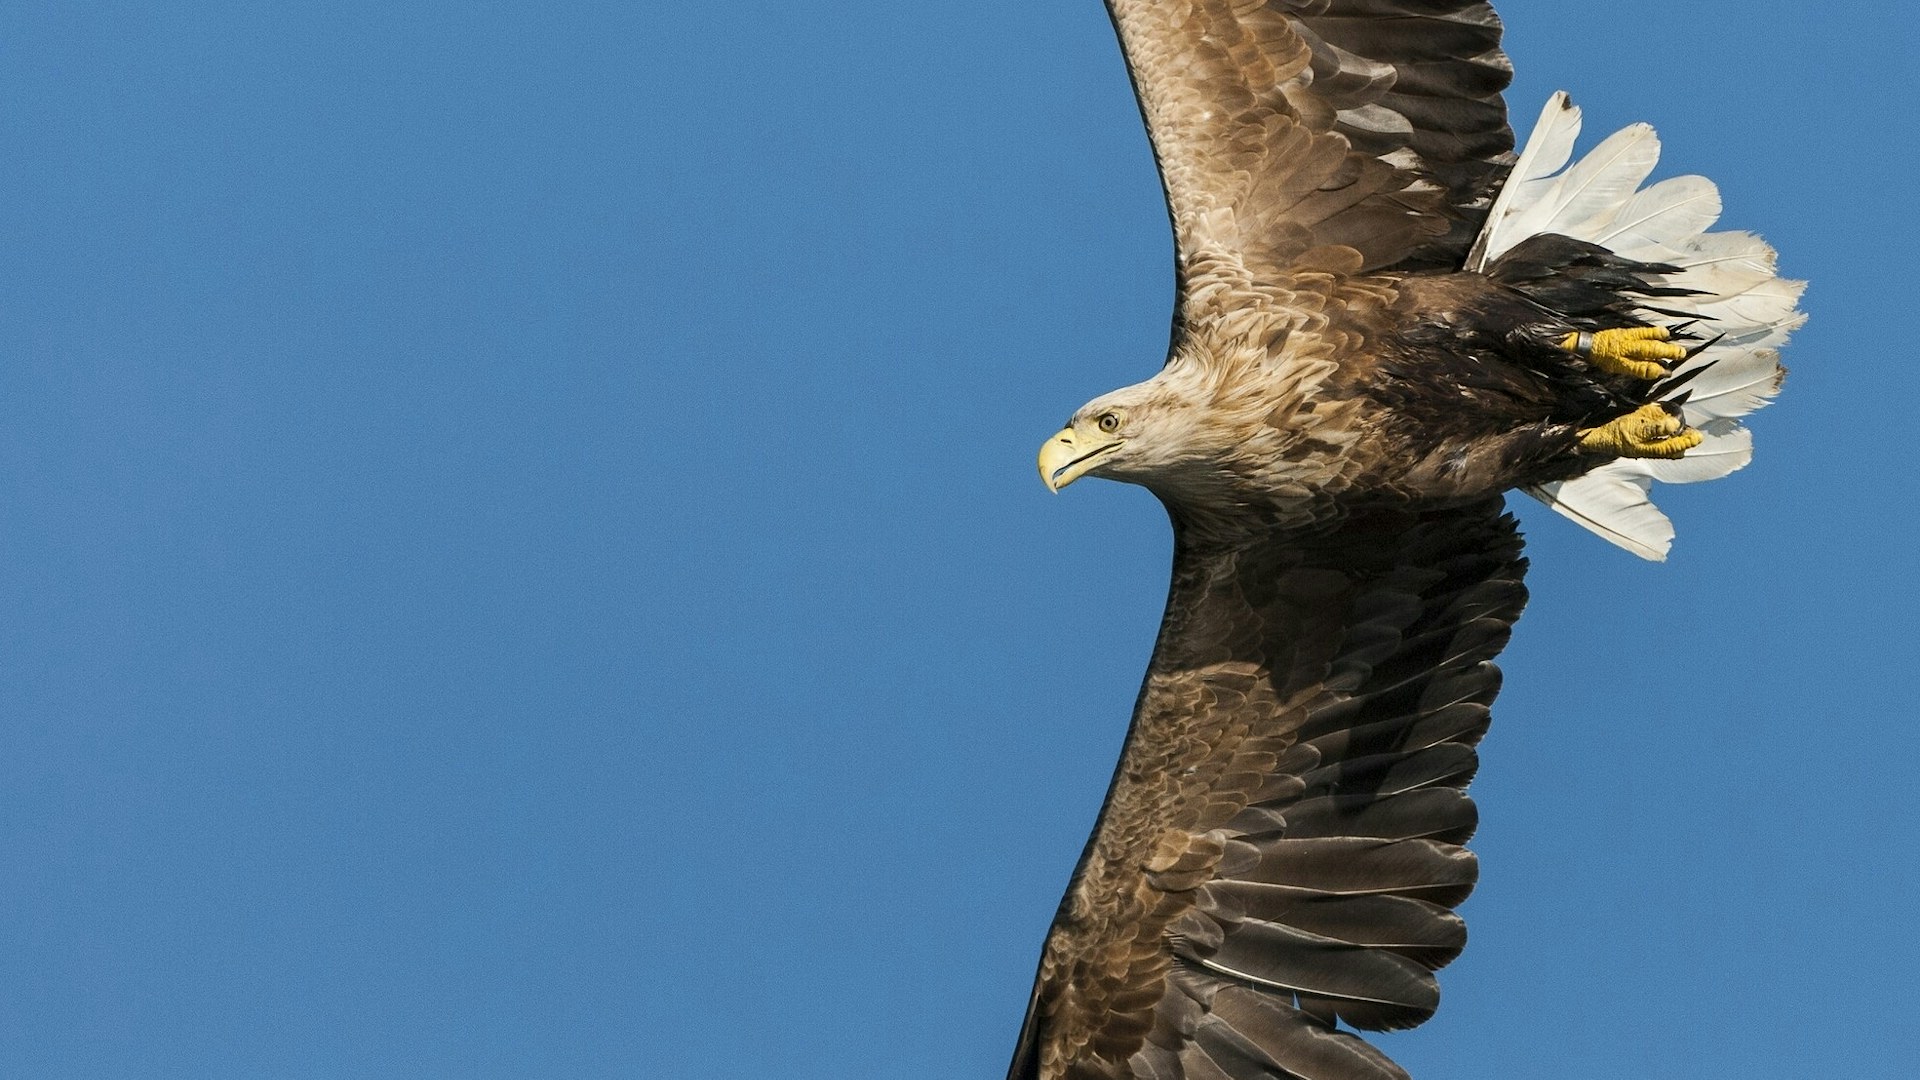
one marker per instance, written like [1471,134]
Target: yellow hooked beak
[1068,456]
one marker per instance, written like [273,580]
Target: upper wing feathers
[1281,847]
[1282,126]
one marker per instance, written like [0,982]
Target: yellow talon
[1647,432]
[1642,352]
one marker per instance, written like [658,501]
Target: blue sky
[521,556]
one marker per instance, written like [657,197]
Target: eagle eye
[1108,422]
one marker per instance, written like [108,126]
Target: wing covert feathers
[1721,291]
[1281,849]
[1286,126]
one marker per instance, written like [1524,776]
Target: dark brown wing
[1282,126]
[1281,847]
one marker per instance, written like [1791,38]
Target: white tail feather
[1548,150]
[1742,308]
[1742,250]
[1588,194]
[1667,213]
[1731,386]
[1611,501]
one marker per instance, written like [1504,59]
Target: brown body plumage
[1340,411]
[1347,389]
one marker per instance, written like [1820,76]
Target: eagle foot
[1654,430]
[1642,352]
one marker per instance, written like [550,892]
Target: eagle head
[1151,433]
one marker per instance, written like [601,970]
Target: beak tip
[1062,460]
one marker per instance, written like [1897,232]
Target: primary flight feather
[1385,319]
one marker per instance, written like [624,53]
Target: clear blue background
[520,554]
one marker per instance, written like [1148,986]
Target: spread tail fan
[1722,282]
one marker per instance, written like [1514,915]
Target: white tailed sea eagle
[1384,320]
